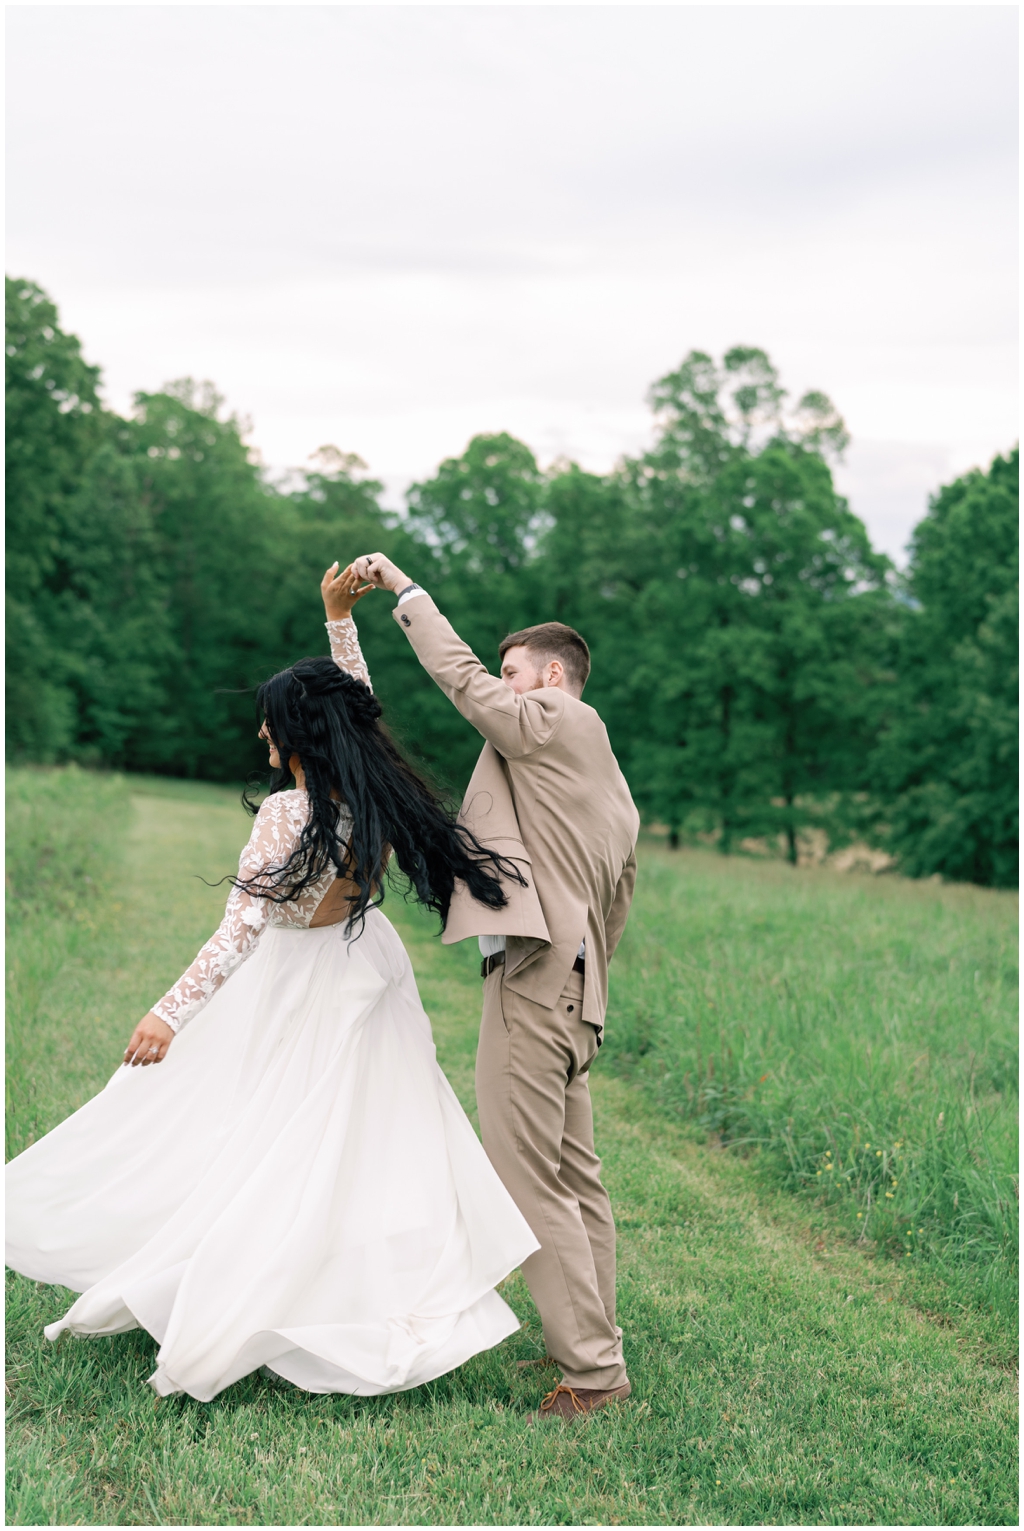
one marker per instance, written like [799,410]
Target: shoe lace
[548,1402]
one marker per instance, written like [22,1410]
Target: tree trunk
[725,783]
[789,795]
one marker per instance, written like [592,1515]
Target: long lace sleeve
[345,650]
[274,834]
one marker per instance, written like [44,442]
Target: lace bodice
[345,650]
[275,834]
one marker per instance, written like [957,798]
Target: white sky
[391,227]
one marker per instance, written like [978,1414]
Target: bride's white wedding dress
[296,1184]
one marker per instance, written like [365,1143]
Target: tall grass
[775,1381]
[66,831]
[860,1033]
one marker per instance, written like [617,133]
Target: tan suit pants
[537,1125]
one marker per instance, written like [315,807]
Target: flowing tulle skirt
[295,1186]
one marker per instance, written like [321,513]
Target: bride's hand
[341,592]
[150,1041]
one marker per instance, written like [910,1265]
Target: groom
[548,794]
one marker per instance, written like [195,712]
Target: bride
[295,1185]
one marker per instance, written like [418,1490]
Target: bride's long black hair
[331,721]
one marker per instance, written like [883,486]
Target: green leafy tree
[810,670]
[947,765]
[707,414]
[738,602]
[107,615]
[476,527]
[223,536]
[54,425]
[482,513]
[596,557]
[756,664]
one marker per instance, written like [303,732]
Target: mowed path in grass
[778,1375]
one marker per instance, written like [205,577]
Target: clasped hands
[341,589]
[380,571]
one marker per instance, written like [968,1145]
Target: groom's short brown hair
[553,640]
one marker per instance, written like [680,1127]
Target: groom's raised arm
[515,725]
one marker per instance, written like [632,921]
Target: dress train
[295,1186]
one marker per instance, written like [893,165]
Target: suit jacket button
[406,620]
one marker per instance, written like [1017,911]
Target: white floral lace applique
[345,650]
[274,836]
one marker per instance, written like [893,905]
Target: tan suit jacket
[547,792]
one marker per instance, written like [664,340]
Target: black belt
[488,965]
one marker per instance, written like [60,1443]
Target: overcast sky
[392,227]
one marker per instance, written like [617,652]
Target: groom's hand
[380,571]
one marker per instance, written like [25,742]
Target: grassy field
[787,1368]
[858,1033]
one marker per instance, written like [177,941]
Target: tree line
[762,670]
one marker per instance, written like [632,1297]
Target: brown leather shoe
[572,1402]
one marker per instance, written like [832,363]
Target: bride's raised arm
[341,591]
[276,823]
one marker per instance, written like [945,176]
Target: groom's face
[519,670]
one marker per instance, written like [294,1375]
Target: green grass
[782,1373]
[65,830]
[860,1033]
